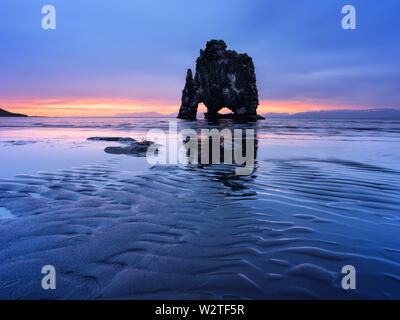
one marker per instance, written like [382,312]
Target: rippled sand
[318,200]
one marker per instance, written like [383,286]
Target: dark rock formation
[138,149]
[133,147]
[4,113]
[113,139]
[223,78]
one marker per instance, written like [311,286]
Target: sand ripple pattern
[186,233]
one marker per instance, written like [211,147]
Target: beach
[323,194]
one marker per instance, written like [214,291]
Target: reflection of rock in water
[222,147]
[226,175]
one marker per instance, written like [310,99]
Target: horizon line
[142,114]
[113,107]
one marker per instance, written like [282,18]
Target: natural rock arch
[223,78]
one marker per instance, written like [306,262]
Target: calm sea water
[324,194]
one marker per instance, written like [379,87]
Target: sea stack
[224,78]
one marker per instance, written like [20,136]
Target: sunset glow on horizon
[113,107]
[138,62]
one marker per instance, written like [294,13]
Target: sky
[120,56]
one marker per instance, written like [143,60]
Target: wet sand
[323,195]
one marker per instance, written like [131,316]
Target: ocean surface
[324,194]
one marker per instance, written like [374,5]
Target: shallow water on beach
[324,194]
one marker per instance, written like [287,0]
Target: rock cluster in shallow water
[133,147]
[223,78]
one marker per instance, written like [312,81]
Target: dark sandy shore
[203,232]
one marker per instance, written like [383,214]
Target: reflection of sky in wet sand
[4,213]
[27,150]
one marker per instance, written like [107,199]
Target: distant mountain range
[4,113]
[368,114]
[145,115]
